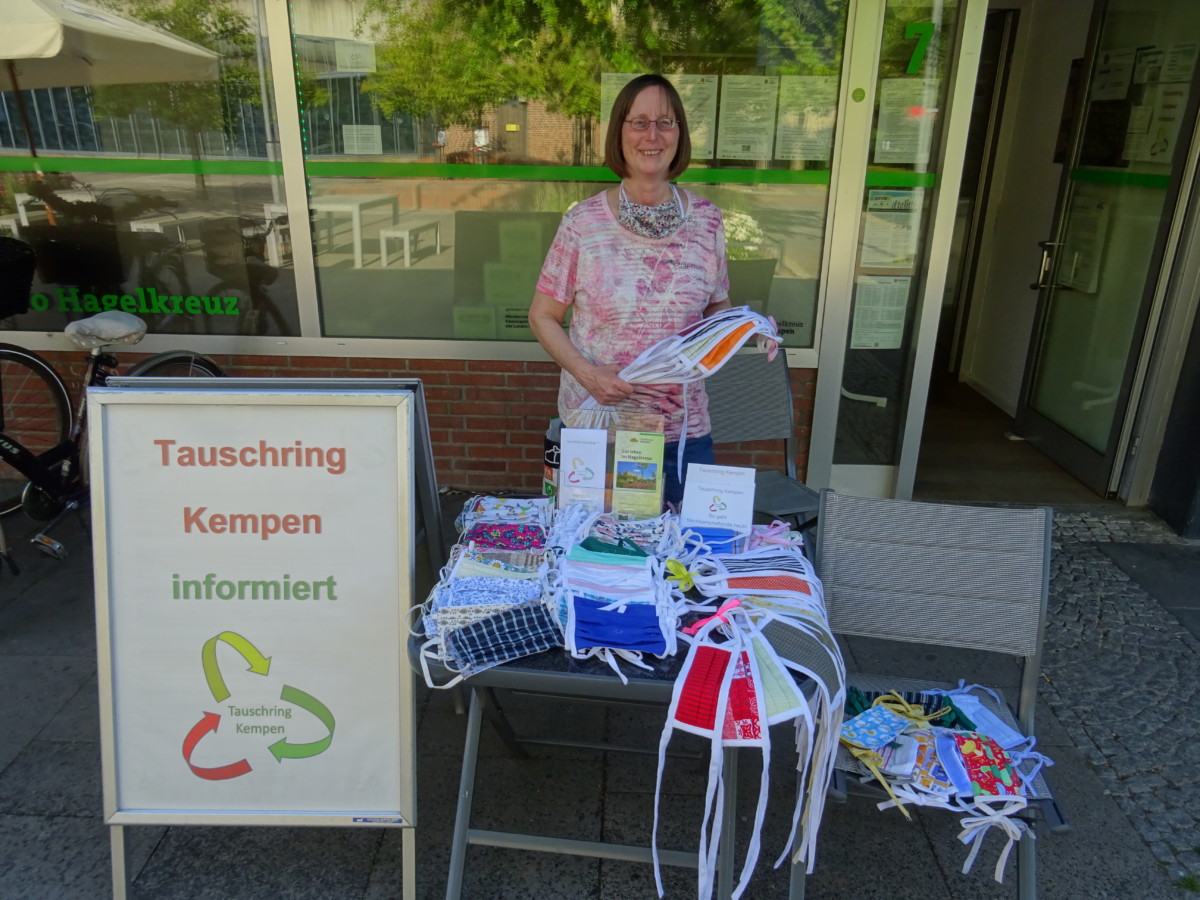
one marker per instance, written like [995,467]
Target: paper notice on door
[807,113]
[1113,74]
[1179,62]
[891,225]
[747,129]
[907,116]
[880,304]
[1162,116]
[1083,244]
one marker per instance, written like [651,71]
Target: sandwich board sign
[254,553]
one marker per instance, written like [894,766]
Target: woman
[639,262]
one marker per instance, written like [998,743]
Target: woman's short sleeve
[561,267]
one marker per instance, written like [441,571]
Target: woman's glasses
[644,124]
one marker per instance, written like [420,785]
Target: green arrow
[282,748]
[212,672]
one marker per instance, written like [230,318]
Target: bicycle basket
[17,263]
[78,253]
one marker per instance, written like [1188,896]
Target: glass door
[898,190]
[1102,267]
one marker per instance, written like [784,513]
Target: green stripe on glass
[141,166]
[1133,179]
[330,169]
[901,179]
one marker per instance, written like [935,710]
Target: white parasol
[64,43]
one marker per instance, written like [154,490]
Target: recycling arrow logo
[209,721]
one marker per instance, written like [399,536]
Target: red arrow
[206,724]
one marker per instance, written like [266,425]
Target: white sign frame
[391,408]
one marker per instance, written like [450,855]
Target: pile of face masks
[770,633]
[487,607]
[524,579]
[945,749]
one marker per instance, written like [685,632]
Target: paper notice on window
[1179,62]
[354,56]
[699,96]
[747,129]
[907,116]
[610,85]
[362,140]
[891,226]
[807,113]
[1113,74]
[880,303]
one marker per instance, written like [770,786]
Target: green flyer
[637,475]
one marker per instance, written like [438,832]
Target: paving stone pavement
[1123,676]
[1121,679]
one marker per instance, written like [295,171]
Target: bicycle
[235,251]
[42,434]
[94,248]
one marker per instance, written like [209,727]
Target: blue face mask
[634,626]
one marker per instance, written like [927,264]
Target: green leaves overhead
[448,59]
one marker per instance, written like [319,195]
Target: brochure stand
[254,553]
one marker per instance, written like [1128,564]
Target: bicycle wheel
[176,364]
[35,411]
[257,313]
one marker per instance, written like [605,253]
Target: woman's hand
[604,385]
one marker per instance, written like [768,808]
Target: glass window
[152,176]
[444,140]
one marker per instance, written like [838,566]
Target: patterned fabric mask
[650,221]
[506,536]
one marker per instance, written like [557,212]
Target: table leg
[725,861]
[466,789]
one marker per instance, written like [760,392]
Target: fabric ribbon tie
[681,576]
[974,827]
[720,614]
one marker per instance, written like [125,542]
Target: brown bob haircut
[614,156]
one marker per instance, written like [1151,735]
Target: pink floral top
[631,291]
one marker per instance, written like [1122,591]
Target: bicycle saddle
[109,327]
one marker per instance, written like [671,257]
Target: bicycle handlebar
[97,211]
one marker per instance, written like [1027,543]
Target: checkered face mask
[508,635]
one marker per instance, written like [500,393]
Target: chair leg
[466,790]
[499,721]
[1027,868]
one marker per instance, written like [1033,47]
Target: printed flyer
[581,467]
[637,475]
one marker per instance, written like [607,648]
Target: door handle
[1044,268]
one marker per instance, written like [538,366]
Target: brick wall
[487,418]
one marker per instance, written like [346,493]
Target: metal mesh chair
[968,577]
[750,399]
